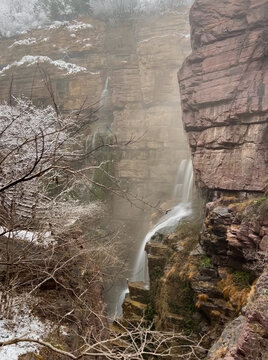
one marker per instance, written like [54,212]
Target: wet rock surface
[210,287]
[224,86]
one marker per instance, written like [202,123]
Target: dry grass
[202,297]
[235,295]
[240,206]
[220,353]
[215,314]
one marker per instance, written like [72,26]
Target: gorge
[187,184]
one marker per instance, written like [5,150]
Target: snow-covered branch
[130,342]
[17,16]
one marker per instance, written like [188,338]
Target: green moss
[243,279]
[257,207]
[188,298]
[156,273]
[188,327]
[262,204]
[183,303]
[149,313]
[205,261]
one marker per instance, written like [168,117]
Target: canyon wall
[224,90]
[209,277]
[128,69]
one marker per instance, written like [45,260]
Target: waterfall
[184,181]
[92,139]
[184,193]
[171,219]
[105,91]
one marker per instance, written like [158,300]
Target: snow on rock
[73,27]
[79,26]
[164,36]
[43,239]
[45,39]
[56,25]
[60,64]
[28,41]
[21,323]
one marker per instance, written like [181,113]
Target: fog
[17,16]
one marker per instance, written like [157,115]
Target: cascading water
[183,194]
[184,182]
[91,142]
[105,91]
[167,222]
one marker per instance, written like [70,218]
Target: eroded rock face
[246,336]
[235,234]
[224,89]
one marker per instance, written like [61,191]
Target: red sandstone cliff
[224,91]
[224,95]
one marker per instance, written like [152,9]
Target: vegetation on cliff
[17,16]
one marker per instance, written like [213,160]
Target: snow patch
[58,24]
[164,36]
[32,60]
[42,239]
[21,323]
[79,26]
[28,41]
[76,26]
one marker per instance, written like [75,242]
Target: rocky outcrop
[199,283]
[246,336]
[235,233]
[224,88]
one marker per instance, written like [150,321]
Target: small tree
[38,253]
[19,15]
[64,9]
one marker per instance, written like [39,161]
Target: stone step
[174,321]
[139,291]
[156,249]
[133,308]
[116,331]
[156,261]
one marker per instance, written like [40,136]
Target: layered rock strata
[224,87]
[224,90]
[128,70]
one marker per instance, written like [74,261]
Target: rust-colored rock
[224,89]
[235,235]
[246,336]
